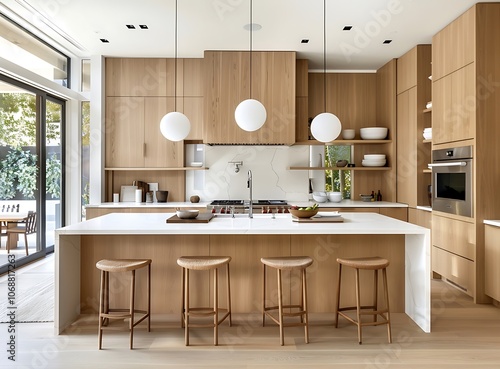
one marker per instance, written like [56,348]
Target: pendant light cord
[175,65]
[324,53]
[251,41]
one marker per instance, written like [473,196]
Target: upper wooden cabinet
[454,46]
[227,83]
[140,77]
[414,91]
[133,138]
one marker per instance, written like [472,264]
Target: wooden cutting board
[318,220]
[201,218]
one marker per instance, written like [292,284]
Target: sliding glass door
[31,175]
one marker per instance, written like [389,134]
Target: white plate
[372,164]
[327,214]
[196,163]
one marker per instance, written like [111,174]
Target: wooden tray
[318,220]
[201,218]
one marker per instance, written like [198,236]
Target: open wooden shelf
[427,141]
[427,110]
[339,168]
[158,169]
[344,142]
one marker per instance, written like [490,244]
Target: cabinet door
[158,151]
[454,46]
[407,164]
[139,77]
[193,109]
[454,106]
[124,132]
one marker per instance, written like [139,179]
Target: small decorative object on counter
[149,197]
[373,195]
[138,195]
[194,199]
[116,197]
[379,196]
[341,163]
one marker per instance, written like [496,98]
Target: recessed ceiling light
[104,41]
[387,41]
[130,26]
[253,27]
[347,28]
[304,41]
[143,26]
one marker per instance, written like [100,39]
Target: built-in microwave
[452,180]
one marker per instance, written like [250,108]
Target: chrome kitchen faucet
[249,185]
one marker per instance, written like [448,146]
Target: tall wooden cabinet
[465,70]
[227,83]
[414,91]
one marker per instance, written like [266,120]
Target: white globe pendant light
[325,127]
[175,126]
[250,115]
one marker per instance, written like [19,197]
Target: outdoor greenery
[338,180]
[19,169]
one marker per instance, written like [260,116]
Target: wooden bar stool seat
[105,313]
[369,263]
[280,264]
[204,263]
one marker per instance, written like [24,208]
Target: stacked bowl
[374,160]
[428,133]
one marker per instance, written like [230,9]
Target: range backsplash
[269,165]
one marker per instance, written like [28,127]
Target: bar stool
[368,263]
[105,313]
[280,264]
[204,263]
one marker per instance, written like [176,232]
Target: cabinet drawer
[456,269]
[454,236]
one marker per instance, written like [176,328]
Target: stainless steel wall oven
[452,180]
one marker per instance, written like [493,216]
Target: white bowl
[320,196]
[335,196]
[373,133]
[187,214]
[373,163]
[348,134]
[374,157]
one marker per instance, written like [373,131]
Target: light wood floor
[463,335]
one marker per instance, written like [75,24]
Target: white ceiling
[218,25]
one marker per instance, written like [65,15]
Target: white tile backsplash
[269,165]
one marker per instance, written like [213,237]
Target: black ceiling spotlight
[304,41]
[104,41]
[143,26]
[387,41]
[347,28]
[130,26]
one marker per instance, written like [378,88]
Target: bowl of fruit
[304,212]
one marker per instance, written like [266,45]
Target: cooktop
[254,202]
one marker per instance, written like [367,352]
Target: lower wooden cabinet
[456,269]
[492,261]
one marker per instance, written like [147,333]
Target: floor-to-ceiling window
[31,169]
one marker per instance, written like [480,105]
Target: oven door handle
[452,164]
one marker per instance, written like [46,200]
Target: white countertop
[204,204]
[149,205]
[425,208]
[495,223]
[155,223]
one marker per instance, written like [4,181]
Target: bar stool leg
[358,306]
[186,329]
[280,305]
[101,307]
[389,334]
[229,296]
[264,297]
[183,301]
[338,297]
[216,306]
[304,306]
[375,294]
[149,298]
[132,301]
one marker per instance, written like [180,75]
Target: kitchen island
[130,235]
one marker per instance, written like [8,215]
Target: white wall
[272,180]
